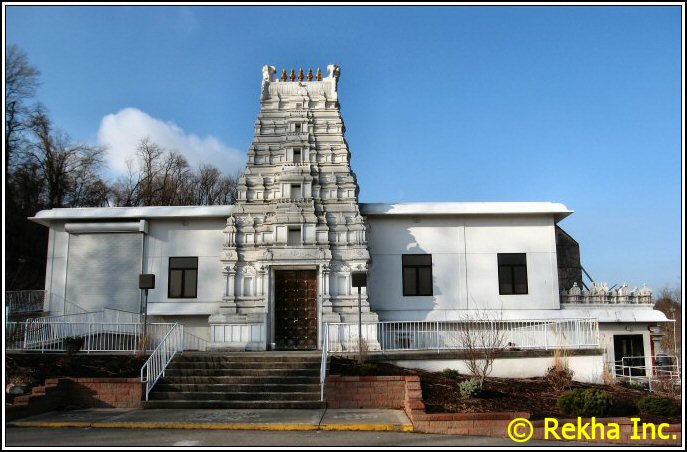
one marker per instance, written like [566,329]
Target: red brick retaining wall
[365,392]
[57,393]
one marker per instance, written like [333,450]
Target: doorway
[626,346]
[295,309]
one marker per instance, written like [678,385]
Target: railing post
[88,339]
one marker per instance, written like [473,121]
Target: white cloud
[122,131]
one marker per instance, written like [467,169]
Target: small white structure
[270,271]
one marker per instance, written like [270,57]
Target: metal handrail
[159,359]
[199,343]
[451,335]
[323,364]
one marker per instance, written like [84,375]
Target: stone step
[187,357]
[231,396]
[242,372]
[244,404]
[243,365]
[237,379]
[266,388]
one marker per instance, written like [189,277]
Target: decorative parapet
[601,294]
[300,83]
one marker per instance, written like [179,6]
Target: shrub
[469,388]
[559,375]
[586,402]
[73,344]
[658,406]
[450,373]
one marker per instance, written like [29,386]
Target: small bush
[469,388]
[658,406]
[450,373]
[586,402]
[559,375]
[73,344]
[559,378]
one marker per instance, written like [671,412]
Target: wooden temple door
[295,309]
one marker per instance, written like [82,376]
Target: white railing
[193,342]
[107,315]
[634,369]
[323,364]
[169,346]
[452,335]
[93,337]
[25,301]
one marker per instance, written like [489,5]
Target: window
[417,274]
[512,273]
[297,127]
[294,236]
[296,191]
[299,106]
[297,155]
[183,277]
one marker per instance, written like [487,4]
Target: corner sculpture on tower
[297,208]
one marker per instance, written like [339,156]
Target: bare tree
[21,81]
[669,301]
[159,177]
[482,339]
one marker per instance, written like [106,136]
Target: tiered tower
[296,216]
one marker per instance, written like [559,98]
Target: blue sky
[578,105]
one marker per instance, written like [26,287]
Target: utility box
[146,281]
[359,279]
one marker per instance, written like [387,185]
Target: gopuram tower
[295,233]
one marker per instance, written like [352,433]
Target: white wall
[200,238]
[190,237]
[588,369]
[464,263]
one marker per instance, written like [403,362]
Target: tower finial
[301,76]
[319,75]
[310,74]
[293,75]
[284,77]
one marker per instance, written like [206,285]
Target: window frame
[415,268]
[183,277]
[511,268]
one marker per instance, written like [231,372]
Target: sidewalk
[223,419]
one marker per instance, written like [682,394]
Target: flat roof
[560,211]
[45,217]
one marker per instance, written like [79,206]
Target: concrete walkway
[223,419]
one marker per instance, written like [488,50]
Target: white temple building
[272,270]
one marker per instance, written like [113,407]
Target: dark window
[297,127]
[294,237]
[183,277]
[417,274]
[296,156]
[512,273]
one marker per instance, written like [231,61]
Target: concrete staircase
[273,380]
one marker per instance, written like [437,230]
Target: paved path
[224,419]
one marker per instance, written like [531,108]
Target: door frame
[271,310]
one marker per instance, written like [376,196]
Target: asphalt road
[141,438]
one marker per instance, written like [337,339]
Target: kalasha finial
[301,76]
[293,75]
[319,75]
[310,76]
[284,77]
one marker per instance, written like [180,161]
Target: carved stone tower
[296,233]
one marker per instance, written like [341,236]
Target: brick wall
[105,392]
[365,392]
[59,393]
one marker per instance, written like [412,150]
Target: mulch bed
[534,395]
